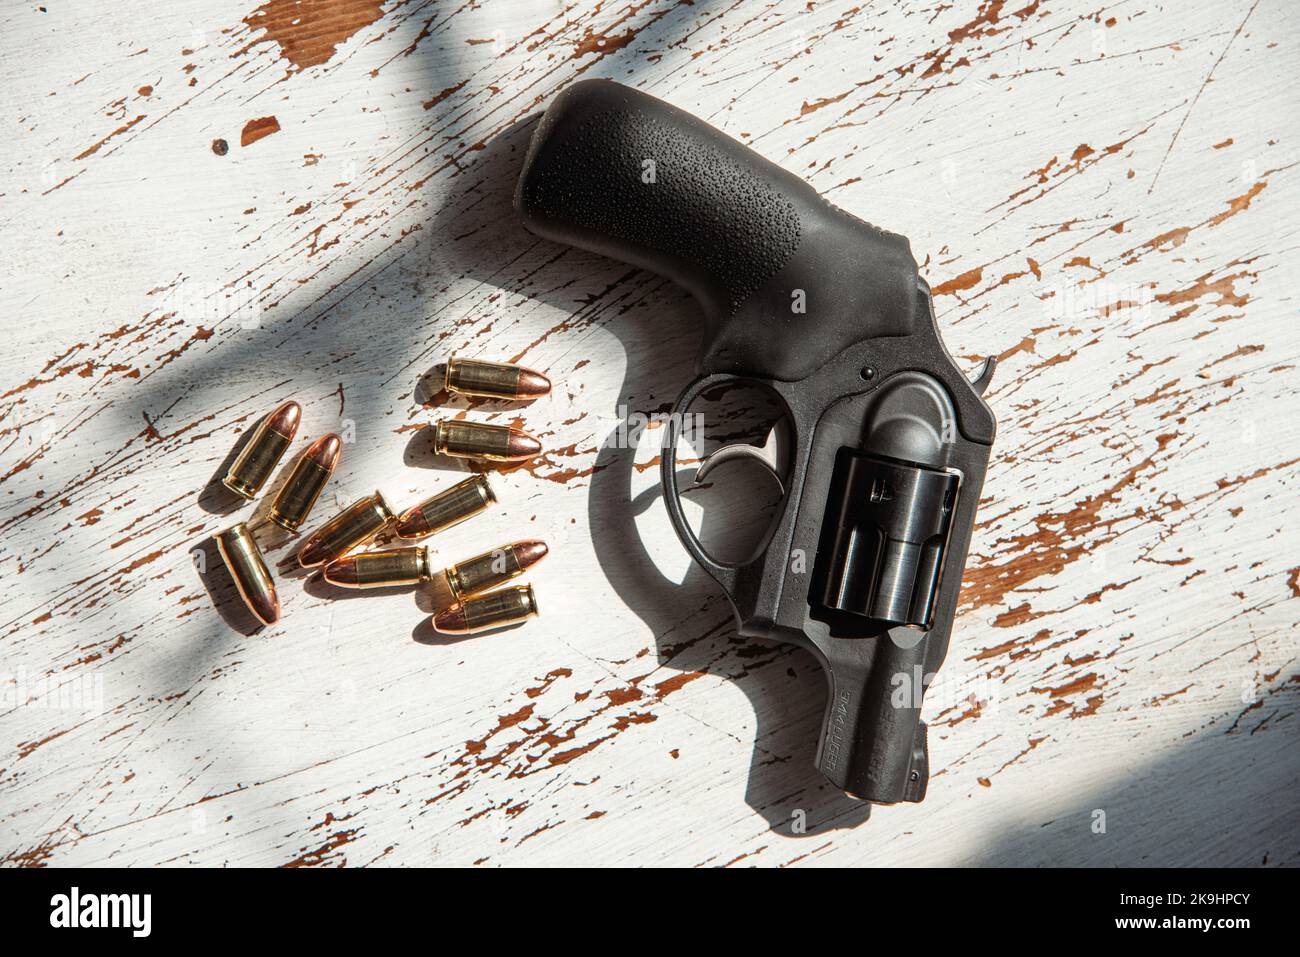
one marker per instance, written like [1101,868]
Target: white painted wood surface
[1105,196]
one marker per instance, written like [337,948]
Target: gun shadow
[691,620]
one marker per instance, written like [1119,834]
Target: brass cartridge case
[476,440]
[259,457]
[353,526]
[494,380]
[461,501]
[307,480]
[484,572]
[384,568]
[243,559]
[507,606]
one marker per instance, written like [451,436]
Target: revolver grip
[787,281]
[873,743]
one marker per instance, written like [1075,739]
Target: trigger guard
[724,573]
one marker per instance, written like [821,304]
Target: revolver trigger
[737,450]
[771,455]
[982,376]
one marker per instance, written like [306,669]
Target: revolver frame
[886,639]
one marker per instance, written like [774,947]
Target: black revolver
[888,440]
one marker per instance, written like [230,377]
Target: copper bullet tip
[529,553]
[342,572]
[522,445]
[285,419]
[451,621]
[265,607]
[325,451]
[312,553]
[411,524]
[532,384]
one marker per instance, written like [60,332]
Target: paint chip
[255,130]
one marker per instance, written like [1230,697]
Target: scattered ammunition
[259,457]
[494,380]
[385,568]
[486,571]
[306,482]
[244,561]
[356,524]
[493,610]
[474,440]
[445,509]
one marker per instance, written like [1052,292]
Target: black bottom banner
[215,907]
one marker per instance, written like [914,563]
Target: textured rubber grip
[644,180]
[786,280]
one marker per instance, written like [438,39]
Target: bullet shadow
[215,498]
[424,633]
[288,568]
[419,454]
[433,596]
[318,587]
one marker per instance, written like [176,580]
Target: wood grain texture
[219,207]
